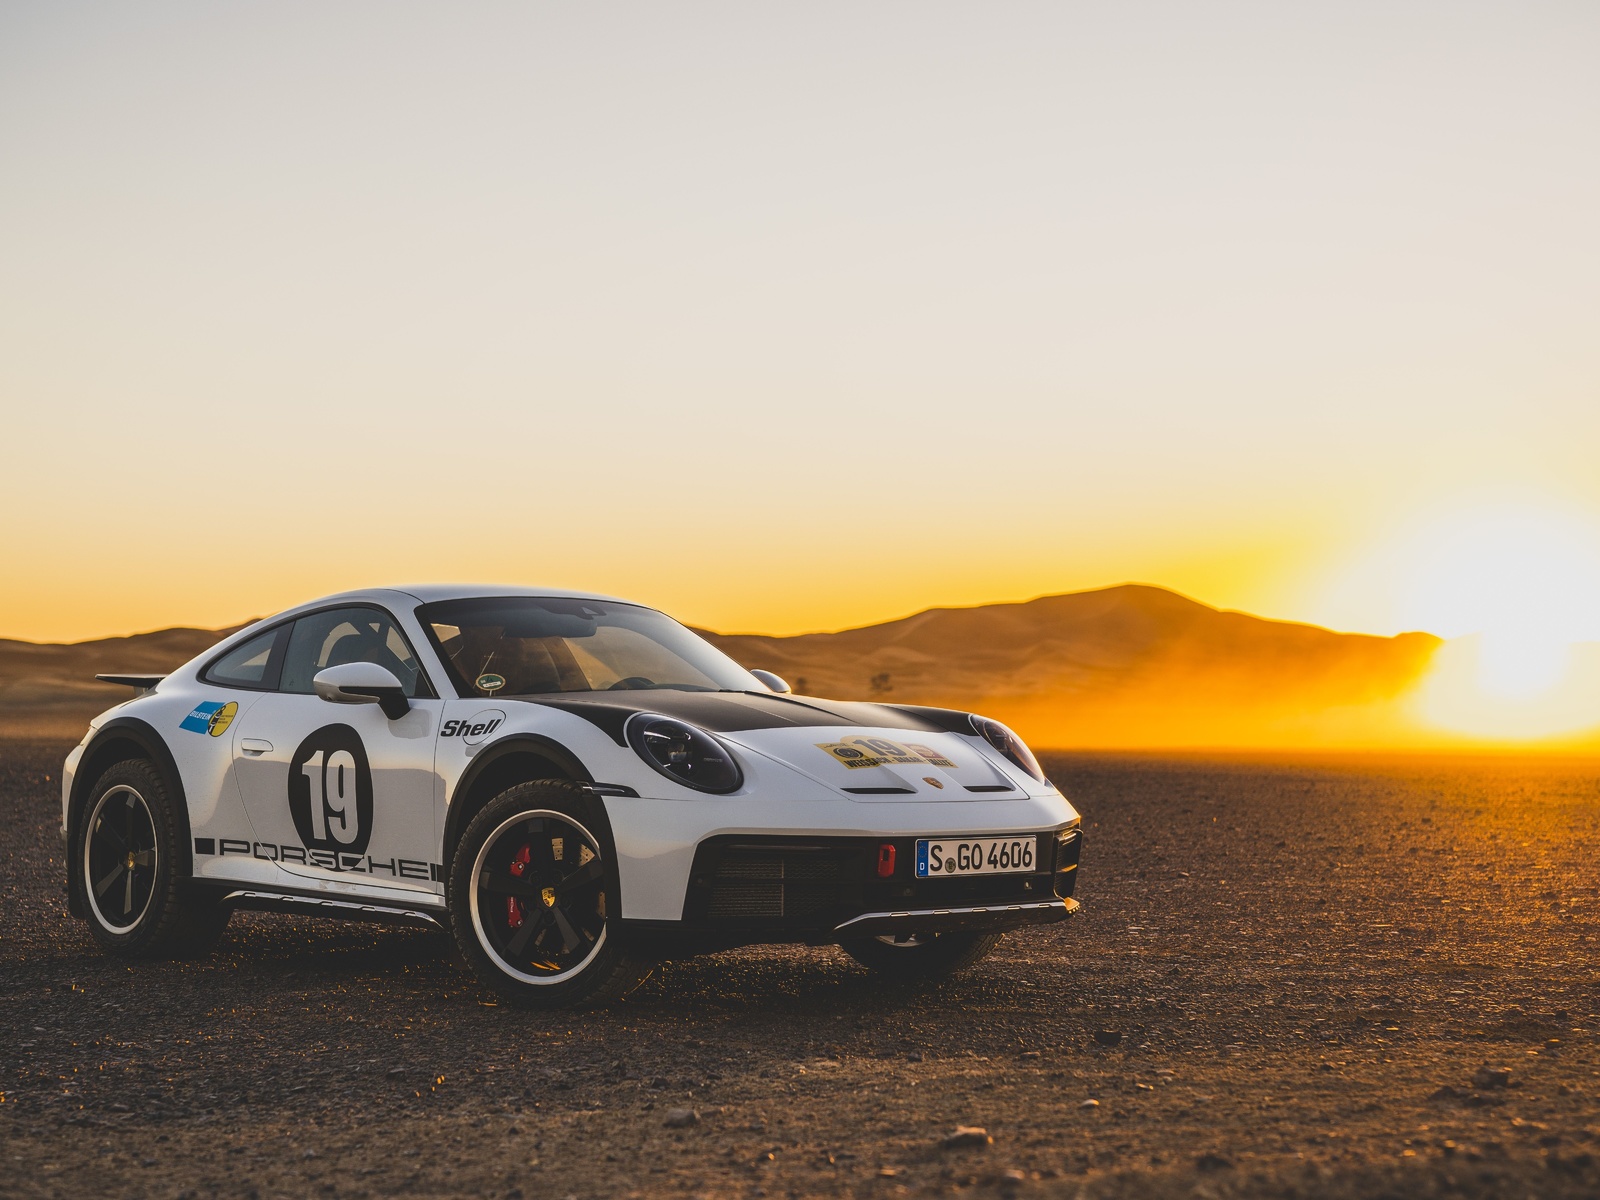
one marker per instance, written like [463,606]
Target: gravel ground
[1292,977]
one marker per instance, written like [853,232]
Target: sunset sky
[793,317]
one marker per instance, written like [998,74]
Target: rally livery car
[572,785]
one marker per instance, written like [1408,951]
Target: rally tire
[929,956]
[130,846]
[533,895]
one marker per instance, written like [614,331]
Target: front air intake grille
[787,882]
[745,900]
[803,887]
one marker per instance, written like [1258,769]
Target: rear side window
[249,665]
[348,635]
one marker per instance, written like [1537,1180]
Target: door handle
[255,746]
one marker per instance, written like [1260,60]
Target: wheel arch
[118,740]
[518,758]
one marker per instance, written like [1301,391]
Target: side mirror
[363,683]
[775,683]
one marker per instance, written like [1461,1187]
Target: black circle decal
[330,791]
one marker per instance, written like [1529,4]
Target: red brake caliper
[519,864]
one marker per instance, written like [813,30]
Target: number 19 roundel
[330,791]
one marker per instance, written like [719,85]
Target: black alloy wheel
[120,858]
[129,869]
[533,890]
[540,899]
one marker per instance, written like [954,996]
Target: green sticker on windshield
[491,683]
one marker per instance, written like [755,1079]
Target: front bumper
[747,889]
[661,844]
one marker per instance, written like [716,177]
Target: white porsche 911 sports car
[573,785]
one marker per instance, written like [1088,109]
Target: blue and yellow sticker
[210,716]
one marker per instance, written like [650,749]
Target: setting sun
[1514,587]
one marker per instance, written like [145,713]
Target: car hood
[870,751]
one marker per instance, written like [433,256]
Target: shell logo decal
[475,728]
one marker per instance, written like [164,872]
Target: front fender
[537,745]
[118,739]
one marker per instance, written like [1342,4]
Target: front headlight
[1013,748]
[683,753]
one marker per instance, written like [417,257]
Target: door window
[347,635]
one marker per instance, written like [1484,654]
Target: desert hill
[1129,666]
[49,689]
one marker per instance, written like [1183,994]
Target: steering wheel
[631,683]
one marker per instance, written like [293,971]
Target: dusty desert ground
[1291,978]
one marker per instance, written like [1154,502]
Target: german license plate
[977,856]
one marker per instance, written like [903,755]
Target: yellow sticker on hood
[857,752]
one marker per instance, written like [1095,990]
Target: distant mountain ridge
[1132,666]
[1127,666]
[48,689]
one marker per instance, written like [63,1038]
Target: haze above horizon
[797,319]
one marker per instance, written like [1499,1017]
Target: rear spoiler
[143,682]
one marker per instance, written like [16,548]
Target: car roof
[429,593]
[395,599]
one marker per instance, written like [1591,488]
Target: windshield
[528,646]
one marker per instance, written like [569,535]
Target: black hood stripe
[732,712]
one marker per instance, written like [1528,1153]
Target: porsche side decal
[399,868]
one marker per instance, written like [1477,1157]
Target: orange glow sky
[797,317]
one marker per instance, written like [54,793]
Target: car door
[201,743]
[341,793]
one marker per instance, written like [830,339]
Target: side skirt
[262,900]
